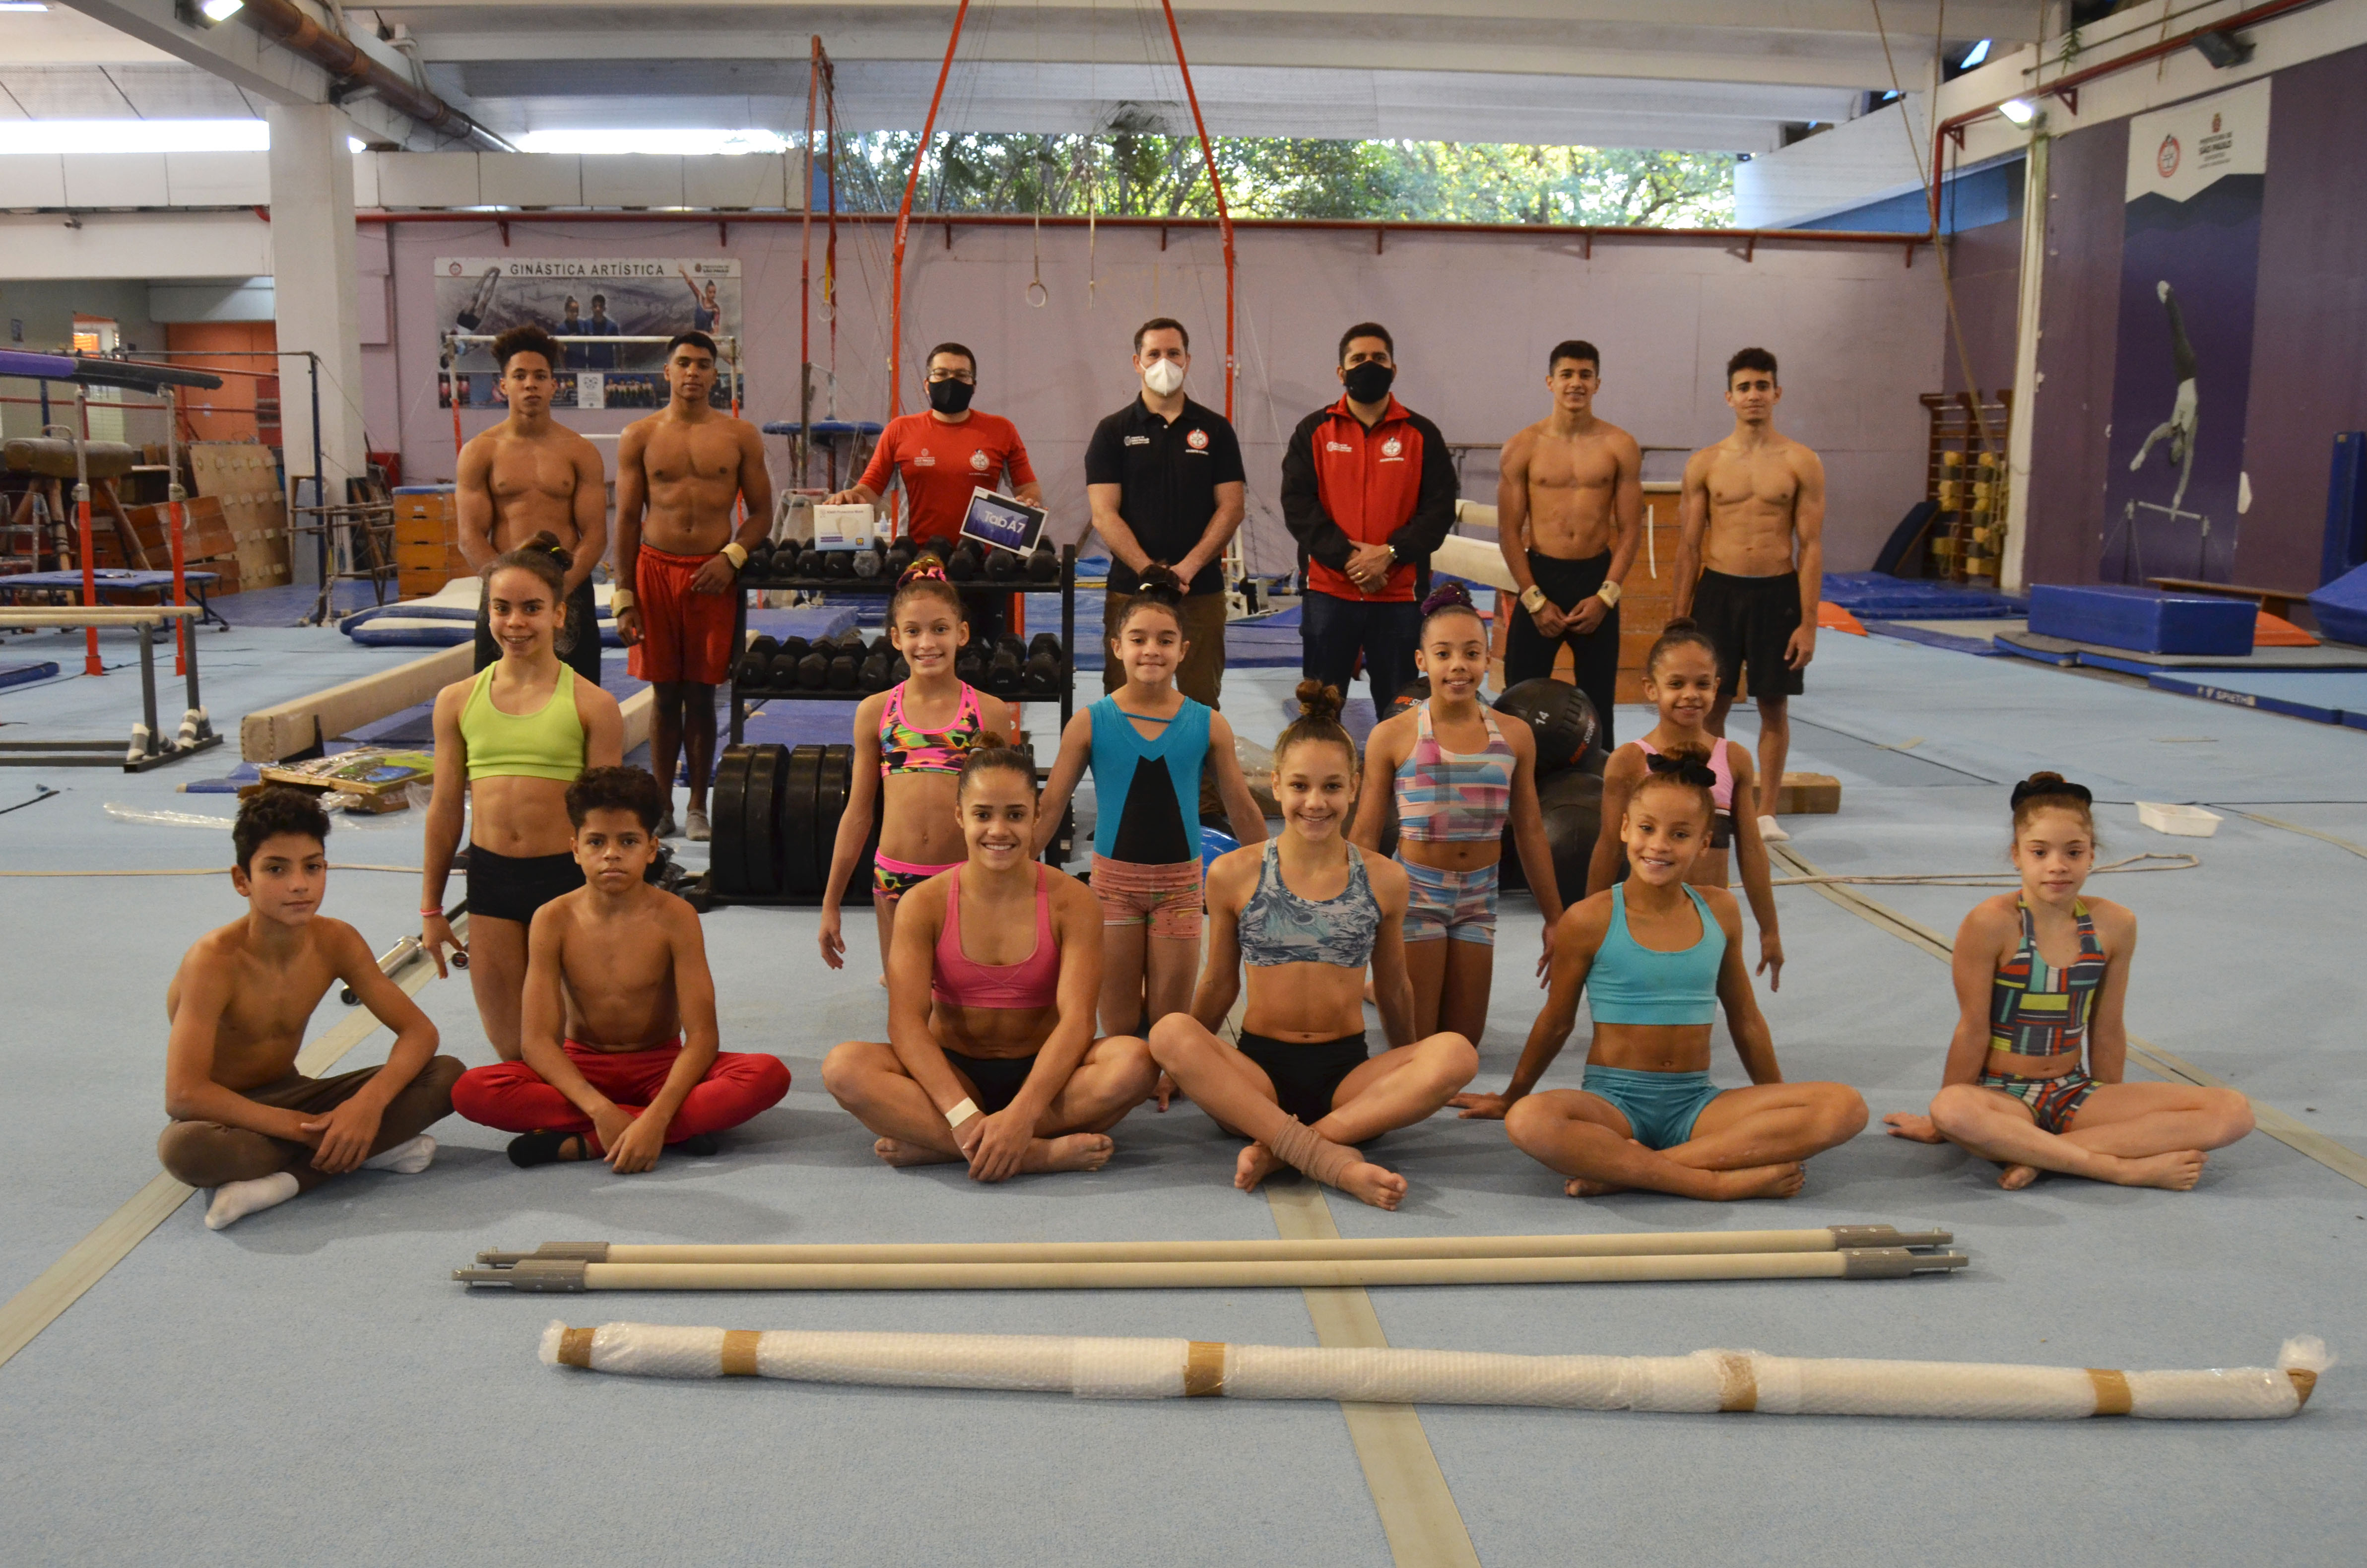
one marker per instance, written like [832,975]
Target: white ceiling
[1702,74]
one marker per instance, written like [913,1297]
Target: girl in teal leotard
[1657,958]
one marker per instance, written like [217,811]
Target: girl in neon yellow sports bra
[1657,958]
[2032,1078]
[910,744]
[508,742]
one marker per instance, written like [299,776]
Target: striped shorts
[1164,897]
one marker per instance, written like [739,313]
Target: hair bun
[1679,624]
[2044,778]
[1449,594]
[1319,701]
[547,543]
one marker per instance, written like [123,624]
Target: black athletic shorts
[512,887]
[997,1079]
[1749,620]
[1306,1076]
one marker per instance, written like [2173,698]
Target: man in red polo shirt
[942,455]
[1368,490]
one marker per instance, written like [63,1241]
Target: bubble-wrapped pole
[1702,1383]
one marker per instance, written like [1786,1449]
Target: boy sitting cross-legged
[245,1122]
[618,1023]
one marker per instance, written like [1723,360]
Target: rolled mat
[1703,1383]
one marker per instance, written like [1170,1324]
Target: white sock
[1772,831]
[408,1157]
[233,1200]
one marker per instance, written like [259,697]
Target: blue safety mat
[109,579]
[2143,620]
[1979,647]
[801,723]
[21,674]
[1261,645]
[807,621]
[2064,650]
[2329,696]
[1872,595]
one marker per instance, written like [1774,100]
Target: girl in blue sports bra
[1308,913]
[1657,957]
[1146,743]
[2041,975]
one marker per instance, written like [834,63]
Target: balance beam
[301,723]
[67,617]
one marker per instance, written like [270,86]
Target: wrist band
[1609,593]
[431,910]
[736,553]
[620,599]
[1532,598]
[961,1114]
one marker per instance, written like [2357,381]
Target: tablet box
[2144,620]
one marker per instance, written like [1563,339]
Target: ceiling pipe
[289,26]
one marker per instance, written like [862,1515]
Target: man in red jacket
[1368,491]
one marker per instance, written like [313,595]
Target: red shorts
[684,636]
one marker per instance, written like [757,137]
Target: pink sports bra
[962,981]
[1722,794]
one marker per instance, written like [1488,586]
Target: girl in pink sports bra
[991,1057]
[909,743]
[1680,679]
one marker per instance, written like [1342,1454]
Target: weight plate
[796,854]
[761,819]
[830,806]
[728,849]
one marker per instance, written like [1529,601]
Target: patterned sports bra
[1277,926]
[903,750]
[2036,1010]
[1448,796]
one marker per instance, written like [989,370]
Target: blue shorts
[1460,905]
[1660,1108]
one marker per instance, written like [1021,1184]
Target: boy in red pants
[622,966]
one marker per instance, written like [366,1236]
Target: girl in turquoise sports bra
[910,744]
[1656,958]
[2042,975]
[991,1057]
[508,742]
[1458,777]
[1146,743]
[1680,679]
[1308,913]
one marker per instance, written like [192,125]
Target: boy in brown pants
[245,1122]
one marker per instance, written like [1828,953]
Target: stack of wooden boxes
[243,479]
[427,539]
[207,543]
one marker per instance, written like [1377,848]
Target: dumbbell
[783,673]
[1002,672]
[1044,664]
[1001,566]
[846,664]
[899,559]
[963,565]
[873,676]
[759,565]
[869,563]
[754,671]
[838,564]
[898,671]
[813,670]
[766,646]
[813,562]
[1043,566]
[970,666]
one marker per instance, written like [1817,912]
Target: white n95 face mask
[1162,377]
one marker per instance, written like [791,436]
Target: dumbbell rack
[701,891]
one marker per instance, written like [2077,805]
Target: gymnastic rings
[1038,295]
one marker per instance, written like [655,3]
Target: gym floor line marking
[61,1284]
[2335,839]
[1425,1528]
[2284,1127]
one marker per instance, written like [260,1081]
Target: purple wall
[2087,180]
[2309,335]
[1474,316]
[1986,276]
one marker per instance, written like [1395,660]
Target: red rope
[903,224]
[1224,214]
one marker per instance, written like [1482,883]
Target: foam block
[2144,619]
[2342,607]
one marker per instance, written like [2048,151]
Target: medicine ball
[1562,717]
[1413,696]
[1571,804]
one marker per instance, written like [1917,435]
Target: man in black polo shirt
[1164,478]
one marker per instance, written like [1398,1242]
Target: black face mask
[1369,382]
[950,396]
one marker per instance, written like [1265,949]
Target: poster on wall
[612,318]
[2174,485]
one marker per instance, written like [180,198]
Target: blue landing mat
[1259,644]
[801,723]
[2329,696]
[2059,650]
[1872,595]
[1979,647]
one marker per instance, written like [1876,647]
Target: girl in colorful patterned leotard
[1458,777]
[909,743]
[2041,977]
[1306,913]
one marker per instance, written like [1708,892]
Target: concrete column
[315,302]
[2025,425]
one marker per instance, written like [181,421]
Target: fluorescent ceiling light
[356,144]
[2019,110]
[678,143]
[222,10]
[134,136]
[22,6]
[1974,55]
